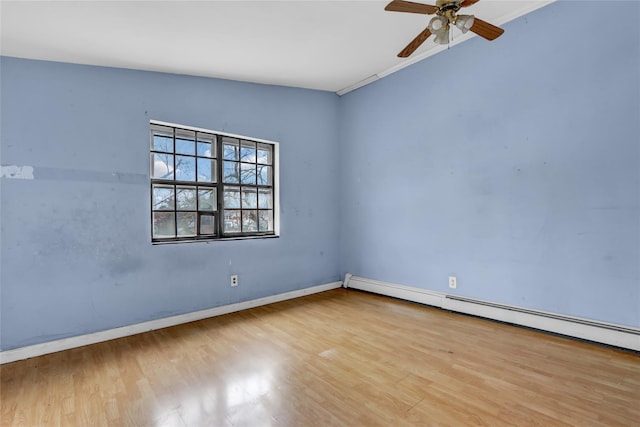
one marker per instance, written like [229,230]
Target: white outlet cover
[453,282]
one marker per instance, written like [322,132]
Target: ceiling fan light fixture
[442,36]
[438,24]
[464,22]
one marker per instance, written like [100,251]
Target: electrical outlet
[453,282]
[234,280]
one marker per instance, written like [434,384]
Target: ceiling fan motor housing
[448,9]
[447,5]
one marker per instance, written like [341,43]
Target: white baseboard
[605,333]
[81,340]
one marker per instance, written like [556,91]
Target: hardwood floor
[341,358]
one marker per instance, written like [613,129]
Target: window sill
[222,239]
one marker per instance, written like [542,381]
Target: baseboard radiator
[606,333]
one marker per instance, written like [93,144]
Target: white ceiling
[328,45]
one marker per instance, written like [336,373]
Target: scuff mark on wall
[60,174]
[18,172]
[79,175]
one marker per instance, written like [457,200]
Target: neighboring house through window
[208,185]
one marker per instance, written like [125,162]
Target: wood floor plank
[339,358]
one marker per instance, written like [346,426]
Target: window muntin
[207,185]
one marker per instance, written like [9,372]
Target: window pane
[249,221]
[185,142]
[186,198]
[206,170]
[265,198]
[266,220]
[161,166]
[207,200]
[164,225]
[163,199]
[207,224]
[248,151]
[206,145]
[248,173]
[264,154]
[249,198]
[232,197]
[186,224]
[185,168]
[162,139]
[231,173]
[232,221]
[230,148]
[264,175]
[204,149]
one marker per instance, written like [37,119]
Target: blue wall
[513,165]
[76,251]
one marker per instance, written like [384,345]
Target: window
[208,185]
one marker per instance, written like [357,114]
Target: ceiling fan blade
[486,30]
[415,43]
[467,3]
[411,7]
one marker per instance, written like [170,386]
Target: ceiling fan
[446,15]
